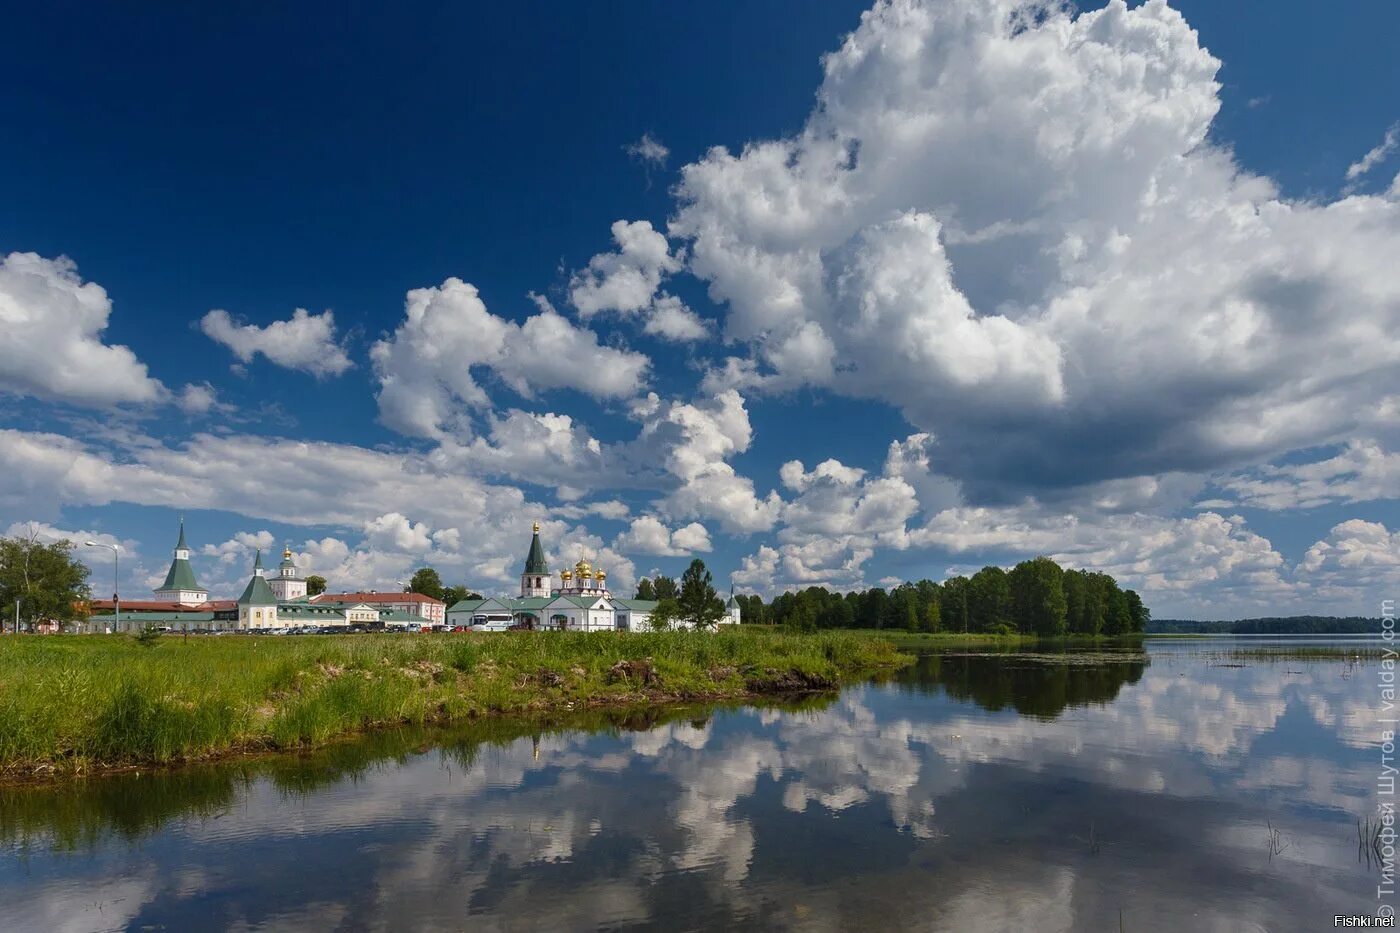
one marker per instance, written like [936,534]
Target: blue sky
[1115,290]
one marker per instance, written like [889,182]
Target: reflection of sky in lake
[897,805]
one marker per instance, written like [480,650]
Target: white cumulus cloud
[1007,219]
[305,342]
[649,535]
[51,345]
[425,369]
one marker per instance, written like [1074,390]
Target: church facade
[581,602]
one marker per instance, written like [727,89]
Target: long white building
[581,602]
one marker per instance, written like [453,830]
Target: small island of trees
[1036,597]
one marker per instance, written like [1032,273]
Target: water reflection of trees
[1042,686]
[78,814]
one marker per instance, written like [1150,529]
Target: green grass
[74,704]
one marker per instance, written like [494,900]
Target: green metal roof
[180,545]
[637,605]
[583,602]
[155,617]
[531,602]
[310,613]
[466,605]
[181,575]
[534,561]
[398,615]
[257,593]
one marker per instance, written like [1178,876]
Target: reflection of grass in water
[71,704]
[1369,843]
[77,815]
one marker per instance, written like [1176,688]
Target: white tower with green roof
[257,607]
[288,584]
[536,580]
[180,585]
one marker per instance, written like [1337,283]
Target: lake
[1199,785]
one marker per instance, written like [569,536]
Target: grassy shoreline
[82,704]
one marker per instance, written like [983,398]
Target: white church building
[581,602]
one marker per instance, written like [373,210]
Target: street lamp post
[116,596]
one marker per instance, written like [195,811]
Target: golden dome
[601,574]
[566,575]
[583,569]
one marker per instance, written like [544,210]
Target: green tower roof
[181,574]
[534,561]
[257,592]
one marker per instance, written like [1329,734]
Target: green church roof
[534,561]
[180,577]
[257,593]
[181,574]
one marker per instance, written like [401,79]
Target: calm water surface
[972,793]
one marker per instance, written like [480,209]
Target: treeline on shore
[1273,625]
[1036,597]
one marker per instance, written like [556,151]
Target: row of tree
[1276,625]
[428,582]
[1035,597]
[692,604]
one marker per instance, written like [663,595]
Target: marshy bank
[80,704]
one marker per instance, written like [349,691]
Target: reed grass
[74,704]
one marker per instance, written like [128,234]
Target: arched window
[560,621]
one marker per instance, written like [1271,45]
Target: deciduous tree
[427,582]
[47,581]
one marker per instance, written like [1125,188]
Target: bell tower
[536,580]
[289,584]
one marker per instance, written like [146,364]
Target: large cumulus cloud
[1008,221]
